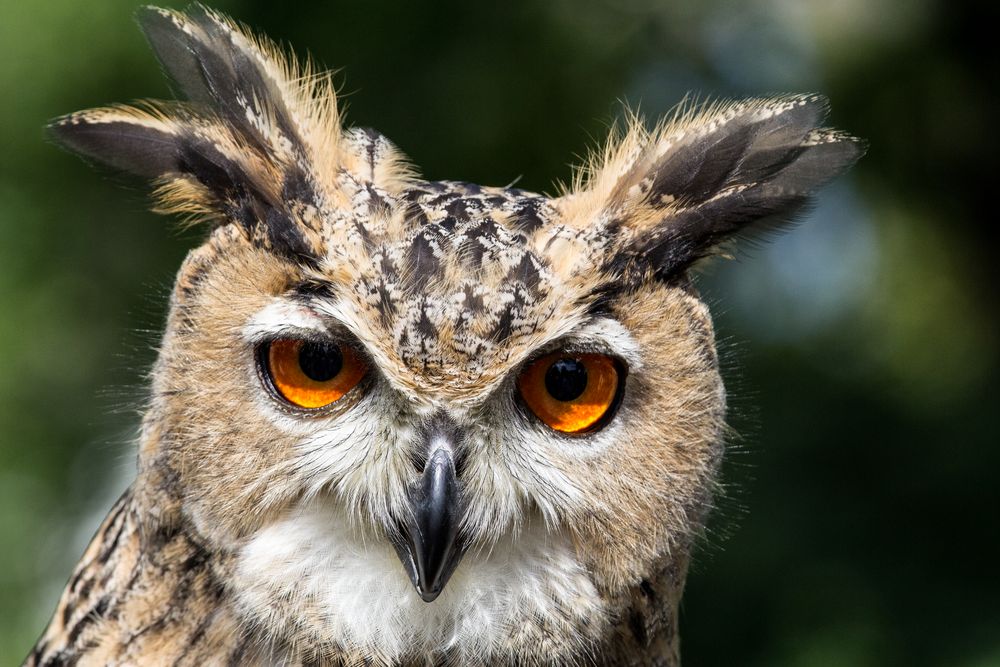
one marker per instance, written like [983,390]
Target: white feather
[364,599]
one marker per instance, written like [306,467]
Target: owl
[406,422]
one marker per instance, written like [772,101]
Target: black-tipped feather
[123,145]
[700,168]
[198,52]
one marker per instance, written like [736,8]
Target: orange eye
[312,374]
[571,393]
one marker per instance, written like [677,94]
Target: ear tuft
[670,196]
[246,81]
[257,142]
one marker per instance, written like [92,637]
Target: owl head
[409,416]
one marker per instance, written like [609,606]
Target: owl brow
[312,288]
[284,316]
[601,334]
[598,301]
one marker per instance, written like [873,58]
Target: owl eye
[572,393]
[311,374]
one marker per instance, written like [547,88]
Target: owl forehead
[454,278]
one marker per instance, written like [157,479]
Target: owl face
[416,417]
[436,464]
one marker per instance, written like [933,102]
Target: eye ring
[309,375]
[573,393]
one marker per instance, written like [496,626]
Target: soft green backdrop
[861,524]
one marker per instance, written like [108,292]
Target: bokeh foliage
[859,527]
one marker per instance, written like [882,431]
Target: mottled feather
[256,534]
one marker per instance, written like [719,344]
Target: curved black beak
[428,542]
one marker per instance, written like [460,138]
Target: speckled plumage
[255,534]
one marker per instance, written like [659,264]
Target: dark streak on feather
[637,625]
[421,263]
[95,614]
[526,216]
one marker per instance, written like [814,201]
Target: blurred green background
[860,526]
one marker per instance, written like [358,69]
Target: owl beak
[428,542]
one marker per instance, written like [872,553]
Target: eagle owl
[402,422]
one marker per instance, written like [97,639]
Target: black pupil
[566,379]
[320,361]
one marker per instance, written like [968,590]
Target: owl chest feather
[310,592]
[141,597]
[505,599]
